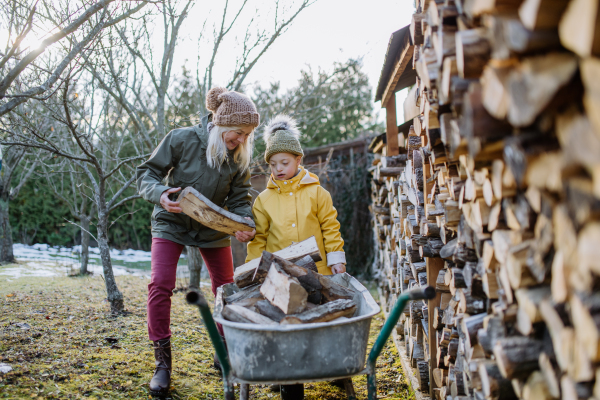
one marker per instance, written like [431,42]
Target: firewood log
[248,292]
[551,374]
[195,205]
[517,356]
[493,384]
[284,291]
[237,313]
[309,279]
[472,52]
[244,275]
[541,14]
[267,309]
[579,27]
[323,313]
[423,375]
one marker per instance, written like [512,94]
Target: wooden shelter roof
[397,72]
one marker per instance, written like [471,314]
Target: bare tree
[24,71]
[88,132]
[13,156]
[117,115]
[71,186]
[257,40]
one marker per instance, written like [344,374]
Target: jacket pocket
[185,178]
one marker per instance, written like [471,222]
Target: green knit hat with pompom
[281,136]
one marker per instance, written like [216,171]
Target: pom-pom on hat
[281,136]
[231,108]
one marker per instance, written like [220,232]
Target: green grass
[64,355]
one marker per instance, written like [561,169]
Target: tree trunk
[85,245]
[114,296]
[6,242]
[194,260]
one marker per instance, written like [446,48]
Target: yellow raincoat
[291,211]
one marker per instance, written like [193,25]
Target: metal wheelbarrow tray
[288,354]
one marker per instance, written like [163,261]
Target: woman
[213,157]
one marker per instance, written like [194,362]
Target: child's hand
[244,236]
[338,268]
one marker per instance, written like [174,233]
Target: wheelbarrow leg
[244,391]
[393,317]
[196,298]
[349,388]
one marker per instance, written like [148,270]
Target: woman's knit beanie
[231,108]
[281,136]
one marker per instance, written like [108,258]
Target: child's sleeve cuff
[336,257]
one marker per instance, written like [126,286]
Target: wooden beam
[391,127]
[401,63]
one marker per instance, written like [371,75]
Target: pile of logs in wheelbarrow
[285,288]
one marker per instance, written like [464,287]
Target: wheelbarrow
[293,354]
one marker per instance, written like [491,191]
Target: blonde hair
[217,152]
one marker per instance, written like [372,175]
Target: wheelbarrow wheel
[292,392]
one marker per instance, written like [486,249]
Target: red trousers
[165,255]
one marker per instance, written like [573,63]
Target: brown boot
[161,381]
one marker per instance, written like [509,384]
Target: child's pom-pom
[281,122]
[212,98]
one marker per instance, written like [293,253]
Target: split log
[323,313]
[586,319]
[269,310]
[331,291]
[195,205]
[551,375]
[249,292]
[423,375]
[579,28]
[306,262]
[472,52]
[284,291]
[309,279]
[493,384]
[244,275]
[534,83]
[541,14]
[236,313]
[517,356]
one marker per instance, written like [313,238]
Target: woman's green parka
[180,161]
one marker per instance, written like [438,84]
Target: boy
[294,206]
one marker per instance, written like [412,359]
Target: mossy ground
[67,352]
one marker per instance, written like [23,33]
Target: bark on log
[240,314]
[244,274]
[517,356]
[323,313]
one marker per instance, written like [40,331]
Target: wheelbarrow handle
[426,293]
[196,298]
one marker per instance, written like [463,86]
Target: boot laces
[162,354]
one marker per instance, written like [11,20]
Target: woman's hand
[244,236]
[338,268]
[167,204]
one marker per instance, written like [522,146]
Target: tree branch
[28,59]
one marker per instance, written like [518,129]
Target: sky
[326,32]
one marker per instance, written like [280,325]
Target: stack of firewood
[285,288]
[495,200]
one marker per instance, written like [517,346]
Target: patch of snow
[43,260]
[5,368]
[23,325]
